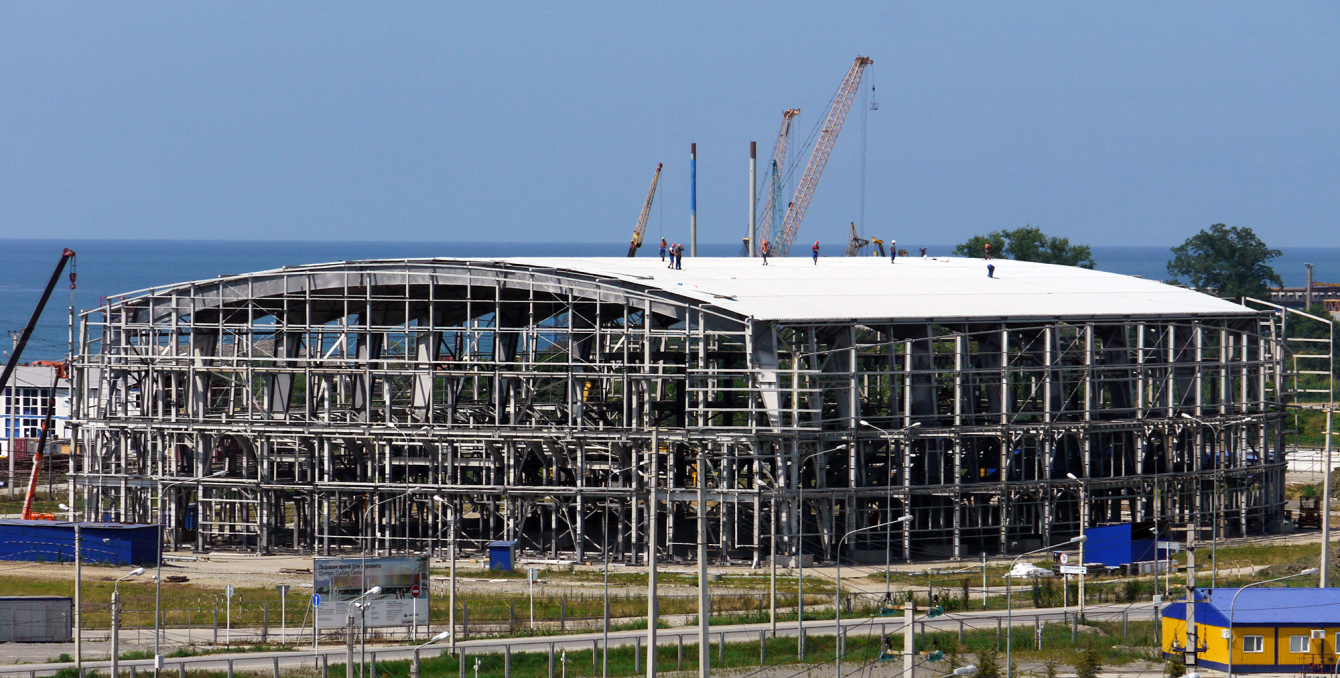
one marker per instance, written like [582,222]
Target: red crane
[837,114]
[51,400]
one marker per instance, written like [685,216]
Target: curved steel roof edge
[836,289]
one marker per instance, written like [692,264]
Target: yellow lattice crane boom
[646,212]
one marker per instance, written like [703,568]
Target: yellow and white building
[1268,630]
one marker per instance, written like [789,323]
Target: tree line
[1229,262]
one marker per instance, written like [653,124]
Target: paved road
[265,661]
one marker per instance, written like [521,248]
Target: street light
[78,585]
[1231,636]
[1220,443]
[1214,514]
[116,618]
[1009,600]
[888,550]
[800,544]
[357,603]
[451,598]
[1083,515]
[363,570]
[158,573]
[435,639]
[837,599]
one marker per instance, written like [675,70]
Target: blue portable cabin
[52,541]
[502,555]
[1120,544]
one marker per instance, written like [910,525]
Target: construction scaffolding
[320,409]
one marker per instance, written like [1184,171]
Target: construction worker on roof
[815,250]
[766,250]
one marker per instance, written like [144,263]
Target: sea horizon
[108,267]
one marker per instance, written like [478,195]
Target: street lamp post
[360,605]
[1231,635]
[78,585]
[158,572]
[435,639]
[800,546]
[116,618]
[363,577]
[837,599]
[1009,600]
[1220,444]
[451,597]
[888,555]
[1083,521]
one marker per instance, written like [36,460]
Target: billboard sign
[340,581]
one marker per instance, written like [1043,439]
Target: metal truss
[319,409]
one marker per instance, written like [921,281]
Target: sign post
[283,613]
[414,592]
[316,621]
[532,574]
[228,612]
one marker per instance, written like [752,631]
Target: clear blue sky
[1114,124]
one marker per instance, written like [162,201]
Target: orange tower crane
[646,212]
[837,114]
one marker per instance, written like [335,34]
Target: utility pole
[753,199]
[1189,652]
[704,603]
[693,200]
[1325,580]
[116,632]
[909,615]
[78,584]
[772,566]
[652,507]
[1308,304]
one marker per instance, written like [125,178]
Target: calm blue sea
[111,267]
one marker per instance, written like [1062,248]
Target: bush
[1049,668]
[1131,590]
[1175,668]
[988,663]
[1090,662]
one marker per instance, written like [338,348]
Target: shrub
[1090,662]
[1175,668]
[988,663]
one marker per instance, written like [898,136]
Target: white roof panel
[794,288]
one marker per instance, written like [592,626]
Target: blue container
[502,555]
[1121,544]
[52,541]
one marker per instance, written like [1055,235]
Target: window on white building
[1253,643]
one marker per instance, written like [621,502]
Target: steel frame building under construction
[558,402]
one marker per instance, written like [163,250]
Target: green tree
[1090,662]
[988,662]
[1175,668]
[1226,262]
[1027,244]
[1049,668]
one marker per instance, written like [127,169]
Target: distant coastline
[112,267]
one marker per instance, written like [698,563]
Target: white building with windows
[23,405]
